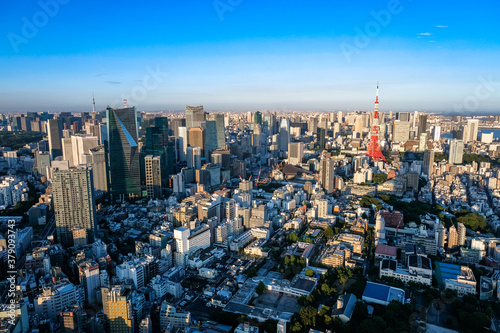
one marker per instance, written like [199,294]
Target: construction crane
[258,177]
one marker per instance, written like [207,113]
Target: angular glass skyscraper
[123,150]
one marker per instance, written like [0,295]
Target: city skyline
[239,56]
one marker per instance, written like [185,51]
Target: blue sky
[247,55]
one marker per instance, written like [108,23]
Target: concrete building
[152,165]
[74,203]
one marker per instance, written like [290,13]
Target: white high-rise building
[80,145]
[181,236]
[471,130]
[182,143]
[436,133]
[90,279]
[456,151]
[178,183]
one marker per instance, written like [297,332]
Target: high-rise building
[81,144]
[257,117]
[118,309]
[182,143]
[452,237]
[197,138]
[422,124]
[220,129]
[436,133]
[428,162]
[74,204]
[54,131]
[195,115]
[193,158]
[153,176]
[42,161]
[178,183]
[422,144]
[158,143]
[284,135]
[89,279]
[400,131]
[123,150]
[295,152]
[461,234]
[403,116]
[327,174]
[456,151]
[210,138]
[175,124]
[97,160]
[320,137]
[471,130]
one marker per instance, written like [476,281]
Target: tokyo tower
[374,147]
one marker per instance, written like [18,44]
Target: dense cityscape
[128,221]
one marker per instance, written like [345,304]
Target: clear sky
[247,55]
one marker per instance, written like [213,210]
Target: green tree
[325,289]
[297,327]
[344,274]
[308,316]
[379,178]
[309,272]
[261,288]
[328,232]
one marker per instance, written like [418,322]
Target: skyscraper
[400,131]
[471,130]
[428,162]
[327,174]
[74,204]
[461,234]
[158,143]
[124,166]
[220,129]
[422,124]
[210,137]
[257,117]
[295,152]
[436,133]
[452,237]
[284,135]
[54,131]
[456,151]
[196,138]
[153,176]
[195,115]
[320,137]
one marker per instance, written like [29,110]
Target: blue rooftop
[376,291]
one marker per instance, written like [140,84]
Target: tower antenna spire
[373,147]
[93,102]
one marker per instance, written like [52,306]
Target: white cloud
[424,34]
[441,26]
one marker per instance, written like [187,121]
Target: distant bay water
[495,131]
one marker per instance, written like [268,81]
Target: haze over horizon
[242,55]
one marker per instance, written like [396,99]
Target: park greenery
[379,178]
[16,140]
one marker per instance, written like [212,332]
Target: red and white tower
[374,147]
